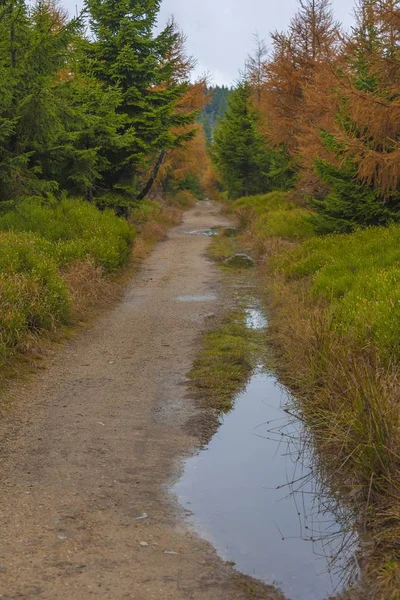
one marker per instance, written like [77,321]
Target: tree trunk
[153,176]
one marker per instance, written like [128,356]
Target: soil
[90,446]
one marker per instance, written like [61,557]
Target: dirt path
[93,440]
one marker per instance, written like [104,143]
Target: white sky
[220,32]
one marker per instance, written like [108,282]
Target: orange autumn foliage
[191,160]
[316,80]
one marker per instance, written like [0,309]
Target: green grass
[221,248]
[358,274]
[289,224]
[262,203]
[335,322]
[37,240]
[225,362]
[273,215]
[76,230]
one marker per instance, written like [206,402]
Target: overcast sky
[220,32]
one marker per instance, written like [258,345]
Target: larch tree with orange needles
[297,58]
[184,167]
[363,171]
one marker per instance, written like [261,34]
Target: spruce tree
[239,151]
[128,56]
[34,46]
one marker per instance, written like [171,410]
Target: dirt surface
[93,442]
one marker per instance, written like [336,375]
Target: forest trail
[90,445]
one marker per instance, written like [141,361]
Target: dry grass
[87,285]
[351,401]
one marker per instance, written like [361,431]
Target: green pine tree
[126,55]
[239,151]
[34,47]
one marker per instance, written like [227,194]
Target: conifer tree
[33,48]
[145,68]
[239,150]
[14,35]
[362,169]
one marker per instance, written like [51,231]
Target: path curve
[93,440]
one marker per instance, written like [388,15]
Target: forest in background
[215,109]
[308,154]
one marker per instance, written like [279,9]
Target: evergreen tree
[362,171]
[349,203]
[33,49]
[14,36]
[239,151]
[215,109]
[145,68]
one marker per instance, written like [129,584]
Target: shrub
[184,199]
[39,238]
[145,211]
[77,229]
[33,295]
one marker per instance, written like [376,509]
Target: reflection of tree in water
[324,518]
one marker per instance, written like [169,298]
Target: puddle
[205,298]
[255,319]
[251,493]
[208,232]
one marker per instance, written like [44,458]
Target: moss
[226,360]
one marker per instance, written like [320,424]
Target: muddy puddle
[254,494]
[213,231]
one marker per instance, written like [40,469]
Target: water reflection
[253,493]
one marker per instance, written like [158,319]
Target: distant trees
[327,106]
[185,166]
[218,98]
[92,114]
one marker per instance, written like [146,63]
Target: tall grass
[76,230]
[273,216]
[335,324]
[359,276]
[38,241]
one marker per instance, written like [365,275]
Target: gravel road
[91,445]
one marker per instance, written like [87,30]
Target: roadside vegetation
[100,151]
[227,358]
[315,191]
[334,323]
[59,258]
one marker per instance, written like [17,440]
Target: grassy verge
[221,248]
[225,362]
[335,323]
[59,259]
